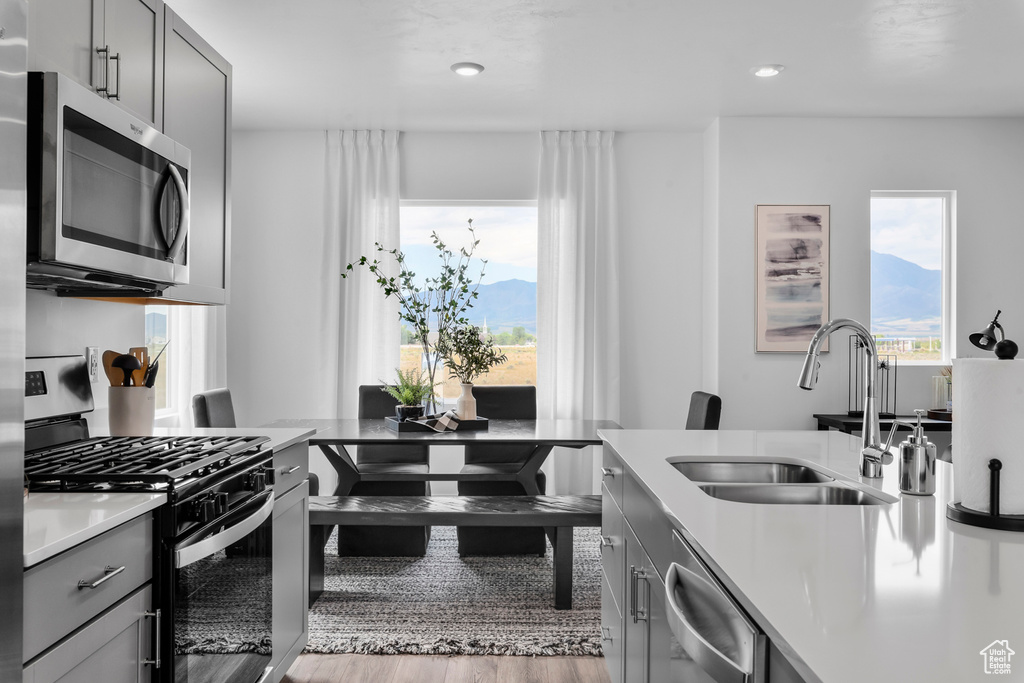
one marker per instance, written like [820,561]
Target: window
[911,279]
[157,322]
[507,304]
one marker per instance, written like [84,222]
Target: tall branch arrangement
[440,304]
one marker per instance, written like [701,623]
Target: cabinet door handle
[108,573]
[156,649]
[116,95]
[606,542]
[104,53]
[606,634]
[607,472]
[632,592]
[290,470]
[640,614]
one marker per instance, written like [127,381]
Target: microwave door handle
[704,654]
[183,223]
[184,556]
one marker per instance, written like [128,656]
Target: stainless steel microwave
[108,196]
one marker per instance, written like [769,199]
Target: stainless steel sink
[727,472]
[791,494]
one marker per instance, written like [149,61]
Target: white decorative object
[465,407]
[940,393]
[131,410]
[989,407]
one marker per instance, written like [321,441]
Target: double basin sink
[772,483]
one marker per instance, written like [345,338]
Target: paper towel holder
[991,519]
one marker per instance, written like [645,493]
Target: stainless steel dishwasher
[713,640]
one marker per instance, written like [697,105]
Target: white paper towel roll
[988,422]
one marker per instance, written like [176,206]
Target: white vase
[465,407]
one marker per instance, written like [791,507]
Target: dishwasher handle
[748,641]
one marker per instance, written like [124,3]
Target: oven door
[713,640]
[222,600]
[113,192]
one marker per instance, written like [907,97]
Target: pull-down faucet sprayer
[873,454]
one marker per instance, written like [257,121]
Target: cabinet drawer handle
[606,634]
[290,470]
[607,472]
[606,542]
[156,649]
[108,573]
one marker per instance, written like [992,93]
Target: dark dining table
[334,435]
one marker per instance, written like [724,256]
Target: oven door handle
[187,554]
[183,222]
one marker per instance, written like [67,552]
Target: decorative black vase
[404,413]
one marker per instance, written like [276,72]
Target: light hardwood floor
[444,669]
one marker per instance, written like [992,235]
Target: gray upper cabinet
[114,47]
[197,113]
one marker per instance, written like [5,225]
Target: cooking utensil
[151,373]
[139,376]
[128,364]
[161,352]
[108,367]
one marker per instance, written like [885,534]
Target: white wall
[839,162]
[57,326]
[661,243]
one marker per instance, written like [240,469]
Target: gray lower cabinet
[114,47]
[291,556]
[87,611]
[636,553]
[114,648]
[197,114]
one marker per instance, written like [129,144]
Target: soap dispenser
[917,461]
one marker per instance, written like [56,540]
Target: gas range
[215,531]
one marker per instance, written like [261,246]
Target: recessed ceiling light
[767,70]
[467,68]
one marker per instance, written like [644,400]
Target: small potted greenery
[467,354]
[411,389]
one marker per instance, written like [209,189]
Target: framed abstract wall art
[792,275]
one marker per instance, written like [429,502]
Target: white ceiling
[609,64]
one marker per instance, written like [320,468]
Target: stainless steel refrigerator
[13,102]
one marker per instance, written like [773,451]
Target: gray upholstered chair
[508,403]
[213,408]
[386,541]
[705,411]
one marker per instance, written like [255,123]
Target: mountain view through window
[907,245]
[506,307]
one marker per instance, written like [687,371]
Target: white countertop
[55,522]
[893,592]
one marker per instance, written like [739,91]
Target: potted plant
[467,353]
[436,305]
[410,391]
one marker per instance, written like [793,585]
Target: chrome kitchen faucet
[873,455]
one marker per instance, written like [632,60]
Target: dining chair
[213,408]
[398,541]
[504,403]
[705,411]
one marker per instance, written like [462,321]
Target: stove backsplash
[58,326]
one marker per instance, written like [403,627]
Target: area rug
[444,604]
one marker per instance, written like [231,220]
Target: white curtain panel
[196,358]
[577,309]
[362,198]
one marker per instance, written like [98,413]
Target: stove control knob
[221,502]
[257,481]
[207,510]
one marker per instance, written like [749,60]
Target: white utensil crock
[131,410]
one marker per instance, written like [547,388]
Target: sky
[507,235]
[910,228]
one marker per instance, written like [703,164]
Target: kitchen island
[888,592]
